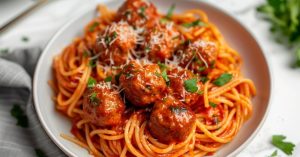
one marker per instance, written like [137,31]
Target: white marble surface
[40,25]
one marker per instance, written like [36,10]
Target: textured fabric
[16,71]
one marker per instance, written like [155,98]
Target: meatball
[185,86]
[161,41]
[115,43]
[138,13]
[142,83]
[198,56]
[171,121]
[102,105]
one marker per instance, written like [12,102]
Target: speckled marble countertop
[283,118]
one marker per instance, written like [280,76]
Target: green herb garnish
[223,79]
[40,153]
[286,147]
[92,63]
[191,85]
[164,74]
[85,53]
[91,82]
[274,154]
[204,79]
[20,116]
[284,16]
[93,26]
[170,11]
[25,39]
[94,100]
[213,105]
[142,12]
[194,24]
[200,69]
[108,79]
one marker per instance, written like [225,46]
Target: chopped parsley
[93,99]
[91,82]
[93,26]
[164,74]
[177,109]
[194,24]
[147,49]
[204,79]
[108,79]
[108,39]
[40,153]
[274,154]
[85,53]
[127,13]
[92,63]
[286,147]
[223,79]
[191,85]
[213,105]
[25,39]
[117,77]
[200,92]
[163,20]
[170,11]
[200,69]
[142,12]
[20,116]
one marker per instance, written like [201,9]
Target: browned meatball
[185,86]
[198,56]
[102,105]
[160,42]
[142,84]
[171,120]
[138,13]
[115,43]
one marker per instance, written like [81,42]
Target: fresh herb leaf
[286,147]
[213,105]
[177,109]
[147,49]
[40,153]
[127,13]
[200,92]
[204,79]
[164,20]
[284,16]
[4,51]
[274,154]
[117,78]
[142,12]
[85,53]
[165,76]
[91,82]
[298,58]
[93,26]
[223,79]
[200,69]
[191,85]
[170,11]
[25,39]
[194,24]
[19,114]
[94,100]
[108,79]
[92,63]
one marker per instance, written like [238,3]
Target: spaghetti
[219,110]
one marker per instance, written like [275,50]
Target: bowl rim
[71,21]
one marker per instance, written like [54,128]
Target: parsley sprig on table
[284,16]
[286,147]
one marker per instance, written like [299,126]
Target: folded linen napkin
[16,71]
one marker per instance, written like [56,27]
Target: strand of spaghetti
[89,141]
[138,140]
[219,131]
[130,124]
[113,147]
[207,149]
[205,94]
[229,86]
[223,100]
[105,149]
[81,122]
[74,140]
[78,93]
[123,154]
[143,140]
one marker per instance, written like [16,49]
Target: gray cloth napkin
[16,71]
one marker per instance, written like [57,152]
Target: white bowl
[255,67]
